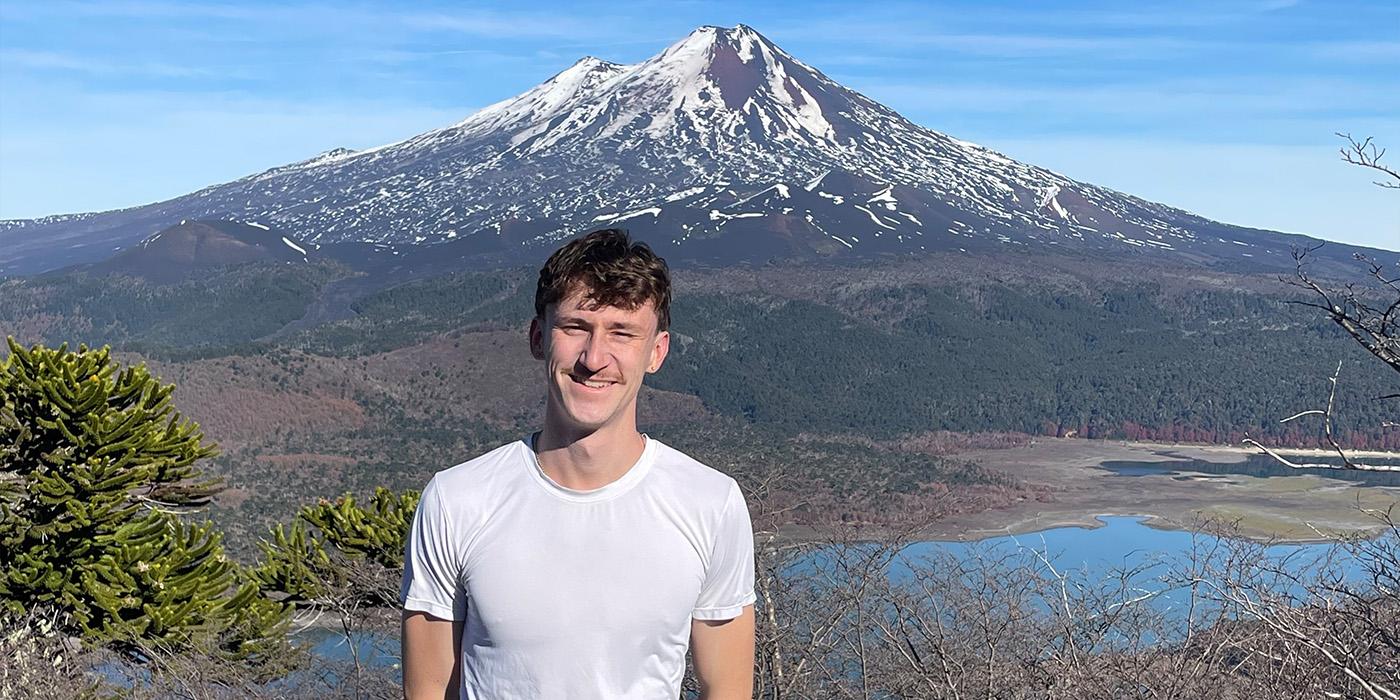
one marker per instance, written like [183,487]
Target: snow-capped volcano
[723,147]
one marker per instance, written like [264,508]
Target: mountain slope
[722,148]
[190,247]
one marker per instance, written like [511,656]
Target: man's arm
[432,653]
[722,651]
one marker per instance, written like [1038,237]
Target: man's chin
[578,418]
[583,416]
[592,410]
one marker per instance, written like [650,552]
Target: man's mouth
[592,383]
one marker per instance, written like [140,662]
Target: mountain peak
[728,78]
[721,147]
[738,35]
[710,44]
[587,64]
[547,98]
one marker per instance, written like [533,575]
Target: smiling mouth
[591,383]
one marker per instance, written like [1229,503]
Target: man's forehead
[579,302]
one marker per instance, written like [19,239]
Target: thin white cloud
[897,35]
[405,56]
[322,17]
[54,60]
[137,10]
[1018,45]
[857,60]
[1222,95]
[1357,50]
[1056,30]
[502,25]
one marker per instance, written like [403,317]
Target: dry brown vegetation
[835,623]
[937,443]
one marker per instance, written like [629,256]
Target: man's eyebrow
[571,318]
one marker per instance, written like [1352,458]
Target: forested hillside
[768,365]
[214,314]
[876,351]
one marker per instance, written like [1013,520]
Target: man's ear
[659,349]
[537,338]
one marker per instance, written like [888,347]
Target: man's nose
[595,354]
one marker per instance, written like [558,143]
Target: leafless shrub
[359,607]
[38,662]
[1307,624]
[1231,618]
[200,673]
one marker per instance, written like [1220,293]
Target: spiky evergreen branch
[340,550]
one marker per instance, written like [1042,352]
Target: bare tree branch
[1329,433]
[1366,154]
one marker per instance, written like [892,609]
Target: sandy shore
[1299,508]
[1221,453]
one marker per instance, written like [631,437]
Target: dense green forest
[1132,362]
[218,314]
[402,314]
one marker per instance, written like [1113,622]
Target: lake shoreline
[1297,509]
[1096,521]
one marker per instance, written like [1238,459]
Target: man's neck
[587,461]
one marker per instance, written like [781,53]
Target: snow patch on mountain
[684,194]
[293,246]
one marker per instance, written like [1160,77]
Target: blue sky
[1224,108]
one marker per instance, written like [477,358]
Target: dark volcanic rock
[190,247]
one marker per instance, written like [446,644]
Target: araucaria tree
[350,557]
[98,472]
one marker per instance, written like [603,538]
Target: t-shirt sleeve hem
[438,610]
[727,612]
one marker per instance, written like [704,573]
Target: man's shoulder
[692,476]
[499,465]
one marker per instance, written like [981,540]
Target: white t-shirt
[578,594]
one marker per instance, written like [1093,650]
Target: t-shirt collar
[613,489]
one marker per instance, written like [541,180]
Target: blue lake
[1122,541]
[1261,466]
[374,650]
[1126,543]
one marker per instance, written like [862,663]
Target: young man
[582,561]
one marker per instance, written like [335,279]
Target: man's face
[596,357]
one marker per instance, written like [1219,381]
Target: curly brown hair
[613,270]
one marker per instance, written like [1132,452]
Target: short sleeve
[432,565]
[728,585]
